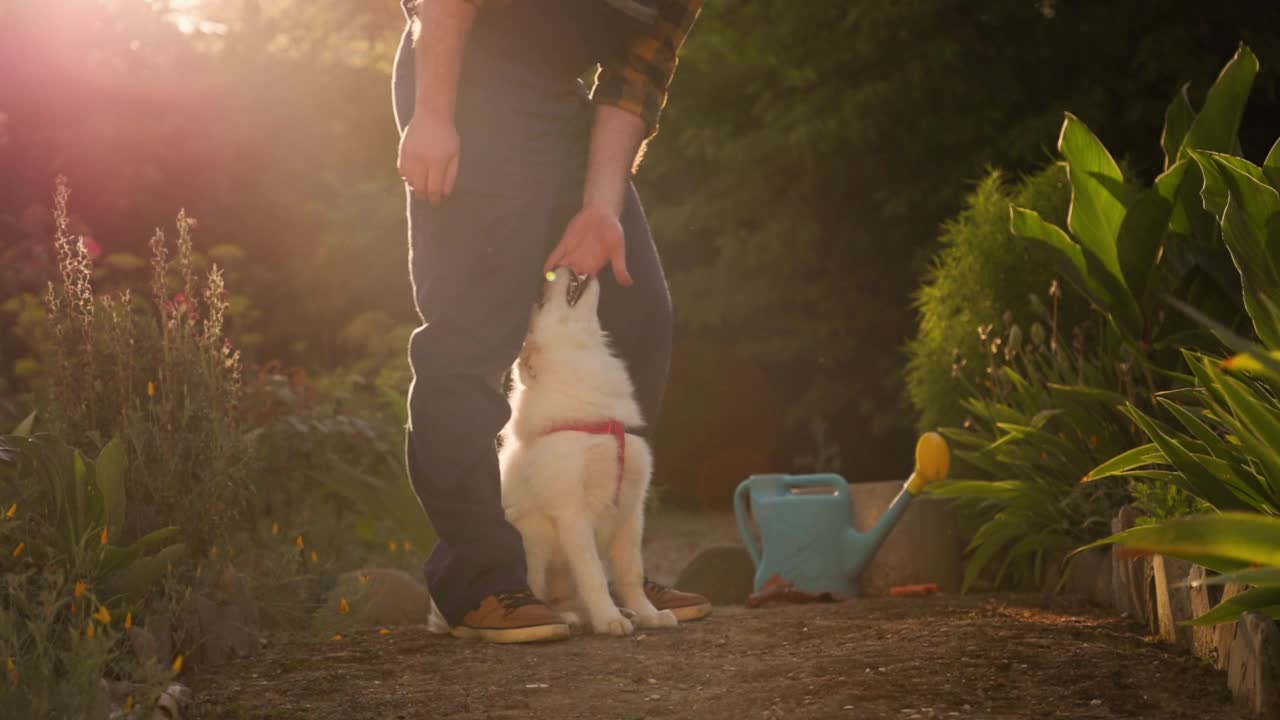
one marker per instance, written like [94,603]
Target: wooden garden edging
[1156,591]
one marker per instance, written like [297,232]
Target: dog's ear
[526,364]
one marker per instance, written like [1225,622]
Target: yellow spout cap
[933,462]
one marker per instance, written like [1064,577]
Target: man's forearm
[440,37]
[615,139]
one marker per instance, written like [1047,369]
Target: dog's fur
[558,488]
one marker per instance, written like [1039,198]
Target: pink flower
[180,299]
[192,223]
[91,247]
[60,180]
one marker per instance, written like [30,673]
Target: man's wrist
[594,201]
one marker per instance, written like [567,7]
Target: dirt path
[940,657]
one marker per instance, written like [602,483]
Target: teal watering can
[806,523]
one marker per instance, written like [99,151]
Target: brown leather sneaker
[686,606]
[512,617]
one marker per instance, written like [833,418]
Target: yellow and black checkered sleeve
[637,82]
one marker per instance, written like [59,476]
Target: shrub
[981,272]
[158,373]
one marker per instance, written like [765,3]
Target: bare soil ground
[936,657]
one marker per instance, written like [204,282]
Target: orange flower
[13,510]
[103,615]
[314,557]
[343,607]
[13,671]
[22,547]
[392,545]
[336,636]
[128,704]
[275,528]
[128,620]
[177,665]
[91,631]
[299,542]
[102,539]
[81,586]
[383,631]
[408,546]
[364,579]
[151,389]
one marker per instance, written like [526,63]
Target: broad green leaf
[116,558]
[1091,393]
[1028,224]
[1230,338]
[1194,425]
[1250,221]
[1242,537]
[1205,484]
[1215,187]
[998,535]
[1142,230]
[1097,191]
[1177,120]
[24,427]
[1265,600]
[1271,166]
[109,473]
[1138,457]
[1215,127]
[1259,577]
[144,573]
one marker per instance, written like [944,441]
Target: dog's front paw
[656,619]
[571,619]
[616,625]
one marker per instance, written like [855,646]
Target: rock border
[1156,591]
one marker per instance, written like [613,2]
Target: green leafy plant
[1223,443]
[68,594]
[1127,250]
[1040,419]
[1225,446]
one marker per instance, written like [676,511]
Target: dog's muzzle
[577,286]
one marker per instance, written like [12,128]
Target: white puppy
[573,480]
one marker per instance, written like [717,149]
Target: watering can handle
[825,480]
[740,512]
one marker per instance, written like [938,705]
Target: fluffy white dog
[573,480]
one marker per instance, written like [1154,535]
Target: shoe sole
[504,636]
[690,613]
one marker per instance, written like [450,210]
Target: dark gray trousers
[476,263]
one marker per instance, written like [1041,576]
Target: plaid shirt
[638,80]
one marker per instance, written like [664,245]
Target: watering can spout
[933,463]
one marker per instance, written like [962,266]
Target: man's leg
[475,264]
[638,318]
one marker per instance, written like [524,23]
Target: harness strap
[604,427]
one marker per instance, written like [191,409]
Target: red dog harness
[604,427]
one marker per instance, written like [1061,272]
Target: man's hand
[429,147]
[429,153]
[593,239]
